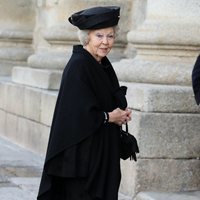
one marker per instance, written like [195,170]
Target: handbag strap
[126,127]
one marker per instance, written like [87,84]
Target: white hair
[83,35]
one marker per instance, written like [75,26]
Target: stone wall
[154,55]
[165,44]
[17,19]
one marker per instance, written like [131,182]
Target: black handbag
[128,145]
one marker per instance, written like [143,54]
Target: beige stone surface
[48,101]
[14,101]
[165,29]
[163,135]
[17,20]
[170,32]
[32,104]
[28,102]
[11,128]
[7,66]
[160,175]
[13,53]
[40,78]
[20,118]
[180,10]
[3,94]
[5,69]
[2,122]
[156,72]
[25,132]
[191,195]
[17,14]
[161,98]
[37,138]
[128,177]
[57,61]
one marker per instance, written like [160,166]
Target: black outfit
[196,80]
[83,159]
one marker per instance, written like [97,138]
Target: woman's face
[100,42]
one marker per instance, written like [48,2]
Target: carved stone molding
[170,28]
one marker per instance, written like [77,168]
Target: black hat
[96,17]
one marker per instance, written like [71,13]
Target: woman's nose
[105,40]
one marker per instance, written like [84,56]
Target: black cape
[80,143]
[196,80]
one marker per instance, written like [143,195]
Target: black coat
[196,80]
[80,143]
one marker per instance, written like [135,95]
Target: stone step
[154,72]
[24,132]
[38,105]
[7,66]
[169,153]
[155,131]
[194,195]
[161,98]
[159,175]
[40,78]
[166,135]
[31,103]
[5,69]
[143,97]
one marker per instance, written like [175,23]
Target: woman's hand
[119,116]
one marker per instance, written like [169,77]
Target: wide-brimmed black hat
[96,17]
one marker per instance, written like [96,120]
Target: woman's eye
[99,36]
[110,37]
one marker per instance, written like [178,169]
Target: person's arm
[196,80]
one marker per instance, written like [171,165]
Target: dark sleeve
[120,96]
[196,80]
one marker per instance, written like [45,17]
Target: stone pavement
[20,172]
[193,195]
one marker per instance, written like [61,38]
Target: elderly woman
[83,154]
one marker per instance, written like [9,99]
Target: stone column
[169,29]
[162,47]
[53,40]
[16,32]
